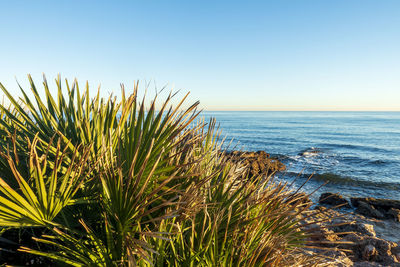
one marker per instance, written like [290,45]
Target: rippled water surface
[357,152]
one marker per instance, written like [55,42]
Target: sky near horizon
[231,55]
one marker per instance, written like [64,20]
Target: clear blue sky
[248,55]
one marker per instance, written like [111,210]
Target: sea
[355,154]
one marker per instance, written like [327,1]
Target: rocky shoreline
[361,232]
[257,162]
[358,232]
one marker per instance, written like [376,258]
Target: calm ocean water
[357,152]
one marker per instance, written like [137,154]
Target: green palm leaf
[39,198]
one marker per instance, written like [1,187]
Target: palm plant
[143,140]
[111,183]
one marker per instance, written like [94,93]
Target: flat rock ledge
[384,209]
[258,162]
[368,235]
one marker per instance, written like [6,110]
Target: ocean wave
[378,162]
[314,157]
[310,152]
[355,147]
[325,157]
[333,178]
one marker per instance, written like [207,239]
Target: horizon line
[294,110]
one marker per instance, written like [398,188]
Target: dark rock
[333,200]
[394,214]
[383,250]
[371,248]
[396,252]
[350,244]
[366,264]
[378,203]
[369,252]
[310,152]
[378,208]
[360,228]
[325,235]
[258,162]
[369,210]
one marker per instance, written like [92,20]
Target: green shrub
[110,183]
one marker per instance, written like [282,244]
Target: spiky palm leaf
[39,198]
[75,117]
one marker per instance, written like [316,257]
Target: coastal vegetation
[106,182]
